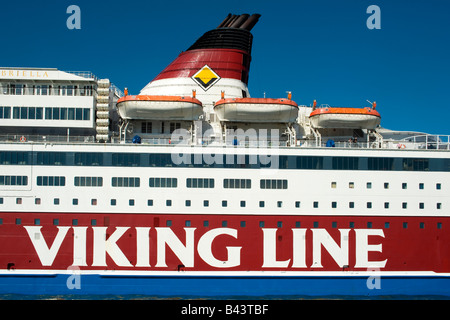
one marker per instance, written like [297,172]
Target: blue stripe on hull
[217,286]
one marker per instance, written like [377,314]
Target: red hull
[421,245]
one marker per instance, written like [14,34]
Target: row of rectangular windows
[44,90]
[243,224]
[60,181]
[242,203]
[221,161]
[386,185]
[37,113]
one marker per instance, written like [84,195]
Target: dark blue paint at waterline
[217,286]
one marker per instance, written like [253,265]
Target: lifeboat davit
[256,110]
[152,107]
[351,118]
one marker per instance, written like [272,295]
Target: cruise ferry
[194,188]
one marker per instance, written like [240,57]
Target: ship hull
[230,285]
[162,255]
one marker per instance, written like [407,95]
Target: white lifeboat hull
[159,108]
[346,118]
[256,110]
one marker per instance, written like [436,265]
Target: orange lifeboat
[256,110]
[351,118]
[153,107]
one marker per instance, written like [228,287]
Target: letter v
[46,255]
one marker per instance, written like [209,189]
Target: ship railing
[45,138]
[426,142]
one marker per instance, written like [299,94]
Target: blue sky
[318,49]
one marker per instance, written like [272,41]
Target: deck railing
[422,142]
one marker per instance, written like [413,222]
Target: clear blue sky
[317,49]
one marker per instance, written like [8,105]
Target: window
[279,224]
[404,205]
[18,221]
[18,200]
[297,224]
[386,205]
[168,223]
[130,182]
[380,163]
[168,203]
[422,225]
[369,205]
[237,183]
[242,203]
[224,224]
[333,185]
[88,181]
[421,186]
[273,184]
[242,224]
[37,222]
[187,223]
[51,181]
[386,225]
[438,186]
[56,222]
[37,201]
[415,164]
[224,203]
[93,222]
[351,185]
[351,204]
[404,185]
[74,222]
[405,225]
[261,224]
[163,182]
[315,204]
[13,180]
[199,183]
[439,225]
[75,202]
[279,204]
[131,202]
[334,204]
[351,224]
[386,185]
[206,223]
[113,202]
[334,224]
[369,185]
[438,205]
[146,127]
[345,163]
[56,201]
[206,203]
[149,202]
[261,204]
[421,205]
[369,225]
[188,203]
[315,224]
[297,204]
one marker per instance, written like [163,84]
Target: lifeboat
[256,110]
[152,107]
[350,118]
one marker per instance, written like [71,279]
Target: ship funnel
[243,21]
[219,59]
